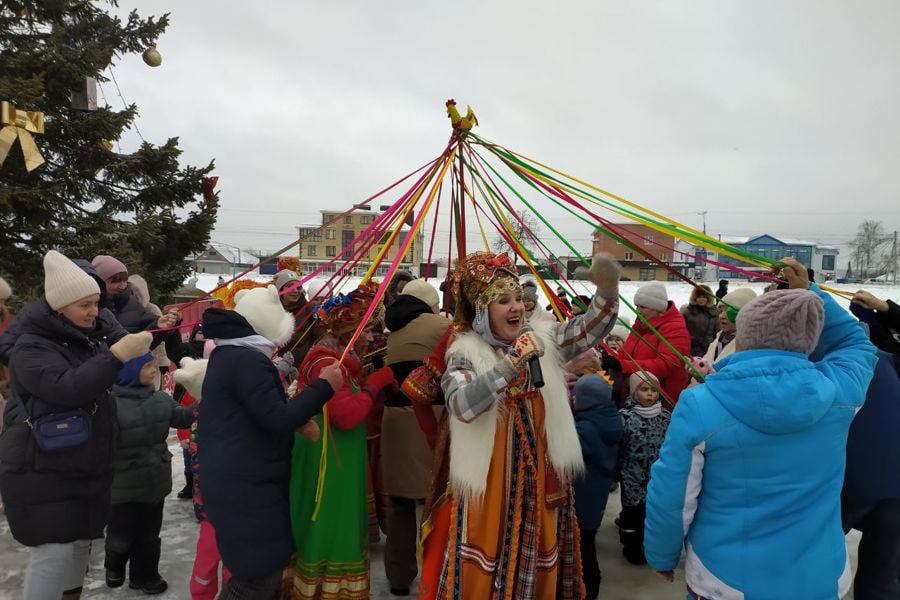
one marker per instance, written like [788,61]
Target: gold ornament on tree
[19,125]
[151,56]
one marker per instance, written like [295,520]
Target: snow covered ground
[621,580]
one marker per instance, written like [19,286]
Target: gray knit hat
[652,295]
[529,291]
[284,277]
[789,320]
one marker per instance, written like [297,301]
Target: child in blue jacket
[599,429]
[749,477]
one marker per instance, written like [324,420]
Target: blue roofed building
[768,247]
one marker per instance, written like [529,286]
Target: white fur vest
[472,444]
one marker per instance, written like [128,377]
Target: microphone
[537,376]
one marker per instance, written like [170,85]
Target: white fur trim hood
[262,309]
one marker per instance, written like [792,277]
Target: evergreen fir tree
[142,207]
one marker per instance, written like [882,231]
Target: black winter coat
[64,496]
[702,324]
[128,310]
[884,328]
[247,426]
[142,462]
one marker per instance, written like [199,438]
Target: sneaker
[115,579]
[187,492]
[151,588]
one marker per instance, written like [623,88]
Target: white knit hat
[424,291]
[65,282]
[5,290]
[652,295]
[739,297]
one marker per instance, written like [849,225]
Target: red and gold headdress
[342,314]
[482,277]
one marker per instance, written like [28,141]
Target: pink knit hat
[635,380]
[107,266]
[789,320]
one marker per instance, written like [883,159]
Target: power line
[125,103]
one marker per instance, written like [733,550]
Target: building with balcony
[328,242]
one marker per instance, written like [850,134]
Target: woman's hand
[869,301]
[333,375]
[796,274]
[604,273]
[168,320]
[524,349]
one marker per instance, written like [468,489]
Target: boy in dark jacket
[599,428]
[143,476]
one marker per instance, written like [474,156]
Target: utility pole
[703,266]
[894,258]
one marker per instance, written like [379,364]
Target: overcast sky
[776,117]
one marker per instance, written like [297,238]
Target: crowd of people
[747,434]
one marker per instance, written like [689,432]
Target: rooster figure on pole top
[460,123]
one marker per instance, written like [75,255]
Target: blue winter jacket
[749,477]
[599,429]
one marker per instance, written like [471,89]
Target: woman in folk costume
[503,525]
[332,534]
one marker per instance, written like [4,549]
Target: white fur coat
[472,444]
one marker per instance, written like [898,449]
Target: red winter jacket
[659,360]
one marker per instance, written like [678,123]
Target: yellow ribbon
[20,124]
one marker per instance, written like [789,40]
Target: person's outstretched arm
[578,334]
[266,405]
[850,357]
